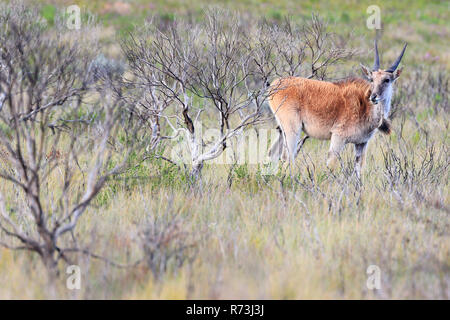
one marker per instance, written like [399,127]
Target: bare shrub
[424,95]
[306,50]
[409,179]
[167,244]
[60,150]
[215,74]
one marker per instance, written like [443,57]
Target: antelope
[347,111]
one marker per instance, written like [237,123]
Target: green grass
[423,24]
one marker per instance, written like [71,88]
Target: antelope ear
[366,72]
[397,73]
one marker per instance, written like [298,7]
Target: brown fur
[341,111]
[322,108]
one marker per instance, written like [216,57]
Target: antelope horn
[376,63]
[397,62]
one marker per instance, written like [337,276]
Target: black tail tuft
[385,126]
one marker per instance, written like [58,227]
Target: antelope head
[381,81]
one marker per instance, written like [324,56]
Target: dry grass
[312,237]
[258,241]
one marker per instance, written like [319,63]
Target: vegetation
[88,129]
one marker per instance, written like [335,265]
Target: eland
[347,111]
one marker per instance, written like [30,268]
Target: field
[236,233]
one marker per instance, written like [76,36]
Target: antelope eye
[371,80]
[387,80]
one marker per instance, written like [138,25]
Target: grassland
[269,237]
